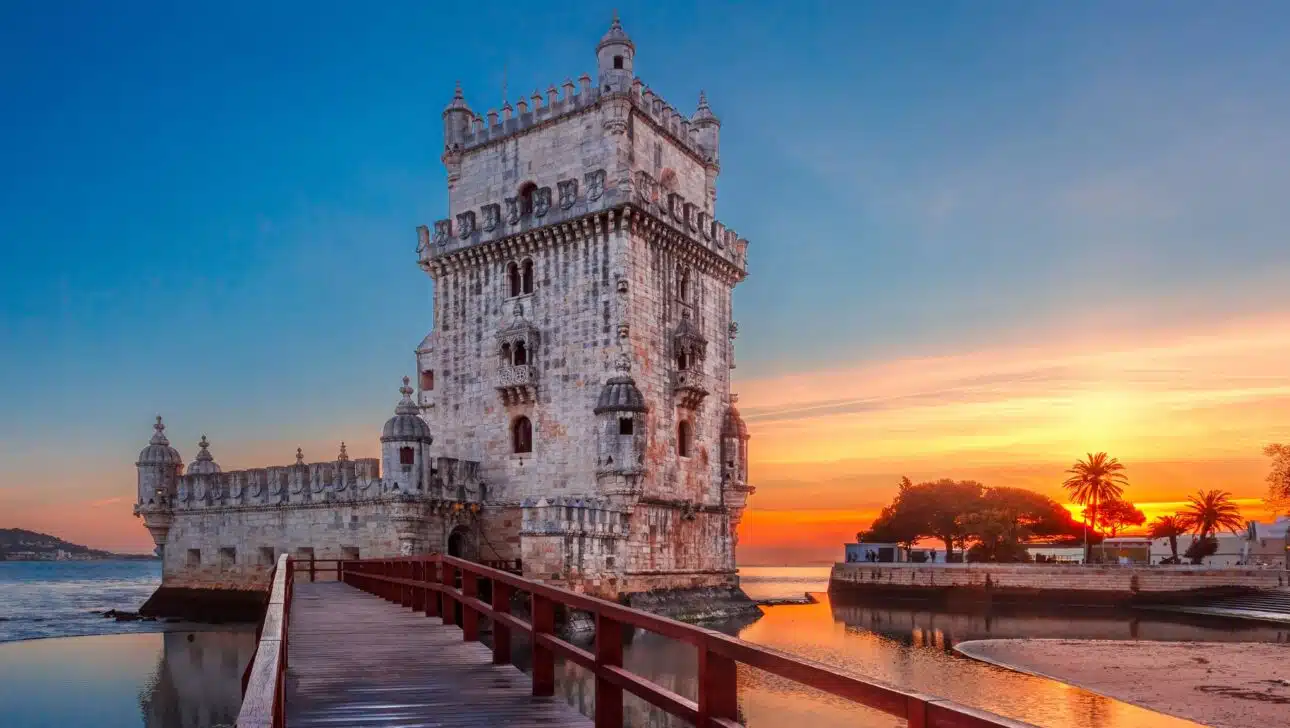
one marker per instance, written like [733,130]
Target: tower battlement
[479,131]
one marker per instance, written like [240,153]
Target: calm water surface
[65,598]
[192,678]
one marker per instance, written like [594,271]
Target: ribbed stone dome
[204,464]
[620,395]
[159,451]
[406,425]
[733,425]
[615,36]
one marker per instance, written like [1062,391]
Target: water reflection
[909,646]
[158,680]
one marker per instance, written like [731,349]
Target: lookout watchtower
[583,332]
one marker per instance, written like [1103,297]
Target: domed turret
[405,447]
[734,446]
[457,118]
[204,464]
[406,425]
[620,429]
[159,466]
[159,451]
[614,57]
[707,129]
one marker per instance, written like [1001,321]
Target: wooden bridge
[360,651]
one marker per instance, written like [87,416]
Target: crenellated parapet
[689,133]
[585,517]
[301,483]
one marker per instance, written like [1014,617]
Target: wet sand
[1218,684]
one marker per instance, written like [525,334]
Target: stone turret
[615,57]
[204,463]
[159,467]
[621,437]
[405,447]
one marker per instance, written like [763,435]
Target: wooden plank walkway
[357,660]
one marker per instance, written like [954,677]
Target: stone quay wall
[1055,584]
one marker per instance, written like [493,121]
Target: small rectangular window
[618,62]
[349,553]
[305,553]
[266,556]
[194,557]
[625,425]
[227,557]
[427,380]
[407,456]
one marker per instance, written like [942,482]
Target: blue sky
[208,210]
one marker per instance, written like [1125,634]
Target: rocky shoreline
[1220,684]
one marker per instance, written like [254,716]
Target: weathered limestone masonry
[576,378]
[1052,584]
[583,334]
[219,533]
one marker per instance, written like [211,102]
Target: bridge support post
[501,632]
[433,597]
[718,688]
[469,617]
[543,657]
[609,653]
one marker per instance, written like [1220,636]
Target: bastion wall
[1062,584]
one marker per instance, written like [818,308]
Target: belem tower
[572,408]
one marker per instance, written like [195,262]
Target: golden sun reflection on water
[913,649]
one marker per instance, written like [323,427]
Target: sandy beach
[1226,685]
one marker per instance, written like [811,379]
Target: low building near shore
[1047,553]
[1269,543]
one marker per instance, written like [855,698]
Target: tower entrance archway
[461,543]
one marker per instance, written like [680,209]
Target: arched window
[407,456]
[507,357]
[522,435]
[521,354]
[527,276]
[682,362]
[683,439]
[513,279]
[526,198]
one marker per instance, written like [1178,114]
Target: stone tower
[582,335]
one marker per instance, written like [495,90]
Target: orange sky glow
[1184,410]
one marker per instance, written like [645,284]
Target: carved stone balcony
[690,387]
[517,384]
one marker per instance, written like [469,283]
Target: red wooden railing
[264,682]
[430,584]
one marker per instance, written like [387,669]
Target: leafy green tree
[1097,479]
[1008,517]
[1116,515]
[943,508]
[1169,527]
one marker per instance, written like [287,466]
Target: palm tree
[1097,479]
[1211,511]
[1169,527]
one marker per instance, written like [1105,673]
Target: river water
[161,675]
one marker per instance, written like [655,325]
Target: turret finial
[406,389]
[300,456]
[343,456]
[159,433]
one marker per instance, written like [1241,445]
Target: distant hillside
[21,544]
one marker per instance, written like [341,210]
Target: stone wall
[1054,583]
